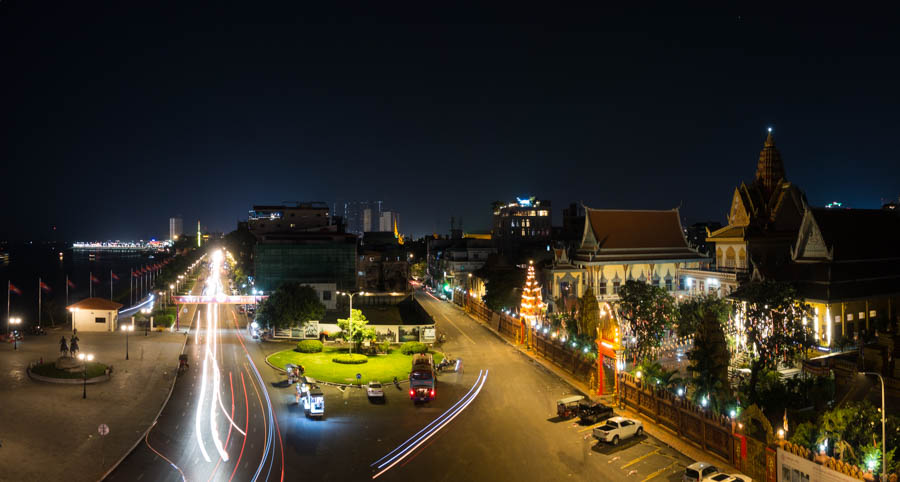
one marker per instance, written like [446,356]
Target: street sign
[103,429]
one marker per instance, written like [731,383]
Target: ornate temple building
[763,221]
[619,245]
[846,264]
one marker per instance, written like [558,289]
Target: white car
[374,390]
[618,428]
[700,472]
[727,478]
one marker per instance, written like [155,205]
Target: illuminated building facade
[525,219]
[846,264]
[282,219]
[621,245]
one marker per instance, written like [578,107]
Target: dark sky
[116,117]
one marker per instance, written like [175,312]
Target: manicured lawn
[50,370]
[319,365]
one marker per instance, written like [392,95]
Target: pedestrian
[74,331]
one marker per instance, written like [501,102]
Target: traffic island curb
[68,381]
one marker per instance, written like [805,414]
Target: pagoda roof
[618,235]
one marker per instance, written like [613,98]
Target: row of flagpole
[141,280]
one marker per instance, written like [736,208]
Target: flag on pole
[94,279]
[13,289]
[69,283]
[113,276]
[44,286]
[134,274]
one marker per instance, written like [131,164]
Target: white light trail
[447,416]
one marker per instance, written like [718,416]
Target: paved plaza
[48,432]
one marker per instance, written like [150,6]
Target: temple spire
[770,168]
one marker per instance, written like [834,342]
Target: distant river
[28,262]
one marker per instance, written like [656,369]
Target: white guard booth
[95,314]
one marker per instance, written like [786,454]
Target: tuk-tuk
[568,407]
[311,397]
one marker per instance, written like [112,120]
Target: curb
[146,432]
[68,381]
[332,384]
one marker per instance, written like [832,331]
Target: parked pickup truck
[591,413]
[618,428]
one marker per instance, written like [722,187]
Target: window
[616,287]
[99,319]
[326,295]
[602,287]
[668,283]
[849,316]
[862,315]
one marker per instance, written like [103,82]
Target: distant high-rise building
[355,215]
[176,228]
[387,220]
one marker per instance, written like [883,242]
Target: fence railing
[711,432]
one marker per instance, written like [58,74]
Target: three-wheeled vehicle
[311,397]
[567,408]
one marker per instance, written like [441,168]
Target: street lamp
[350,319]
[15,322]
[126,329]
[883,439]
[84,359]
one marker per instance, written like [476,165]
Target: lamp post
[350,319]
[126,329]
[15,322]
[171,288]
[84,359]
[883,439]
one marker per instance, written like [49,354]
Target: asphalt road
[509,430]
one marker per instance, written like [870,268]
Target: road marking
[642,457]
[457,329]
[591,427]
[659,472]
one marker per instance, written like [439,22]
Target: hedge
[309,346]
[411,347]
[350,358]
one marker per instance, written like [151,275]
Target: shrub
[350,358]
[411,347]
[309,346]
[384,347]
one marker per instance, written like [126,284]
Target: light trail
[430,433]
[433,422]
[271,435]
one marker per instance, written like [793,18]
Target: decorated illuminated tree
[532,304]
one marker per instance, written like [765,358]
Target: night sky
[116,117]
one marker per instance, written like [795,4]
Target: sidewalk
[48,432]
[663,434]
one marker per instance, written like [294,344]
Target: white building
[176,228]
[95,314]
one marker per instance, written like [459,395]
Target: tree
[648,311]
[291,304]
[417,270]
[590,314]
[501,286]
[358,330]
[772,314]
[705,317]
